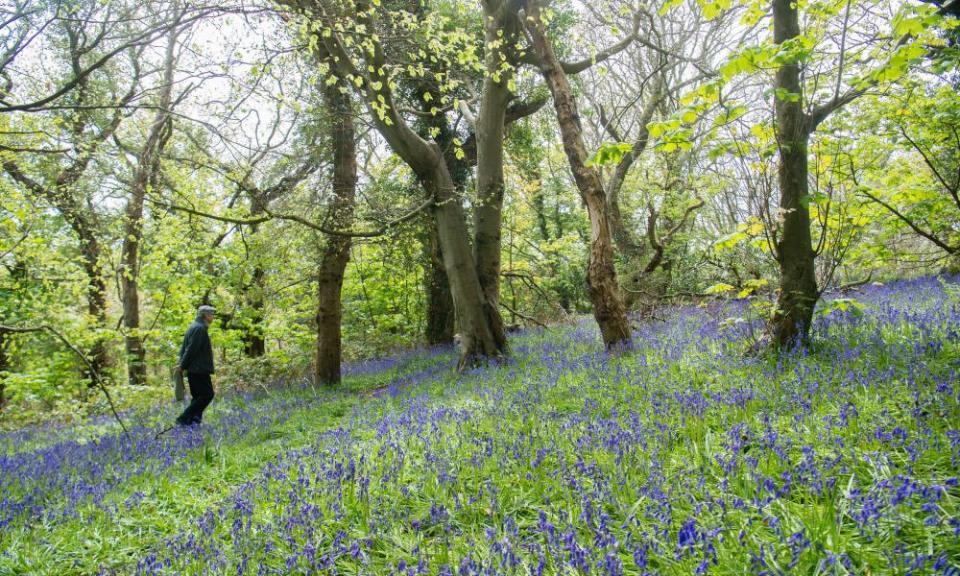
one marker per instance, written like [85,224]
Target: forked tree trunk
[426,159]
[795,253]
[608,309]
[336,253]
[475,320]
[148,165]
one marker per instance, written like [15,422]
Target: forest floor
[686,455]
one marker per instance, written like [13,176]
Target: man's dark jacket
[196,352]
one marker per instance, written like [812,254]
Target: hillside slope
[687,455]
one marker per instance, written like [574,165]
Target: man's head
[206,312]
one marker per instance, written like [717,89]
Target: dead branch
[73,348]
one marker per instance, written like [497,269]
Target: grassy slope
[685,455]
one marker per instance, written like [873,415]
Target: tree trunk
[96,298]
[254,343]
[795,253]
[539,206]
[601,274]
[501,26]
[440,314]
[148,166]
[336,253]
[129,280]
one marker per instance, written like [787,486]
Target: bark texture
[795,253]
[336,252]
[440,314]
[501,27]
[608,308]
[254,343]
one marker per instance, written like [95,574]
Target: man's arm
[189,347]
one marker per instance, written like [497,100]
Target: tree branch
[933,167]
[270,215]
[946,247]
[516,111]
[819,113]
[581,65]
[139,40]
[93,372]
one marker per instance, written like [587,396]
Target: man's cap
[206,309]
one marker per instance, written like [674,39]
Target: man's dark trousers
[201,390]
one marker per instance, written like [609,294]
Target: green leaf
[730,240]
[843,305]
[720,288]
[610,153]
[904,26]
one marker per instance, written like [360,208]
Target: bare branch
[82,74]
[943,245]
[581,65]
[270,215]
[73,348]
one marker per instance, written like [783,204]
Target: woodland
[349,179]
[501,286]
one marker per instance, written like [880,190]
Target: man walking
[196,357]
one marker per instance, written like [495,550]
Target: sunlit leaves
[713,8]
[729,115]
[609,153]
[751,286]
[720,288]
[746,231]
[897,64]
[385,45]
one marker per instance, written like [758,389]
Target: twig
[853,285]
[269,215]
[522,315]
